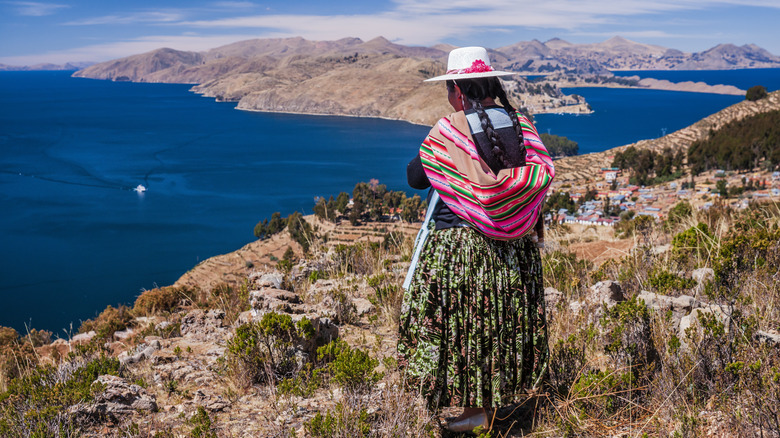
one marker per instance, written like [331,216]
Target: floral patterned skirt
[472,329]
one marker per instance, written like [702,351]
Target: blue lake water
[76,237]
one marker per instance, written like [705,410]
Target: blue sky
[97,30]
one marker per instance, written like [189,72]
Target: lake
[76,237]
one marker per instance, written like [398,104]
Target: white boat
[139,188]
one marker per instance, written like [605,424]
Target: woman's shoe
[469,423]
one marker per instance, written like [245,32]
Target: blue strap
[419,241]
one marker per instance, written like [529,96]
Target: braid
[512,115]
[487,126]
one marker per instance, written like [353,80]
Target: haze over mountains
[381,79]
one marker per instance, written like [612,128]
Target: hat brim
[486,74]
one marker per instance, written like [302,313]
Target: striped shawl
[503,206]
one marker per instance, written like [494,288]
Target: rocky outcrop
[117,399]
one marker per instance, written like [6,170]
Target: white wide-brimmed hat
[468,63]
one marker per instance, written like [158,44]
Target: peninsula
[378,78]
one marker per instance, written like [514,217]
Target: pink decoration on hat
[478,66]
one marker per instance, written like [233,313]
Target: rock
[363,306]
[605,292]
[143,351]
[770,337]
[655,301]
[204,326]
[703,275]
[322,287]
[83,338]
[124,335]
[210,401]
[551,297]
[274,300]
[692,320]
[679,306]
[119,390]
[267,280]
[685,303]
[118,398]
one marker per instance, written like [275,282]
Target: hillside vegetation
[739,145]
[678,337]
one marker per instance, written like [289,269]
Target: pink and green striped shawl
[505,206]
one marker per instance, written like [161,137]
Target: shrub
[567,362]
[628,338]
[692,247]
[36,404]
[202,425]
[304,383]
[755,93]
[639,226]
[564,271]
[300,230]
[664,282]
[36,337]
[679,212]
[341,422]
[161,300]
[389,296]
[232,299]
[360,258]
[351,368]
[263,351]
[108,321]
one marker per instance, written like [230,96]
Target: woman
[472,330]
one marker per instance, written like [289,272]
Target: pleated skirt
[472,330]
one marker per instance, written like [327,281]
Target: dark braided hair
[478,89]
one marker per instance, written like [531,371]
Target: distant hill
[46,66]
[382,79]
[618,53]
[574,170]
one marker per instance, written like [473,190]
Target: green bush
[628,338]
[665,282]
[640,225]
[351,368]
[262,351]
[35,405]
[341,422]
[755,93]
[691,248]
[202,425]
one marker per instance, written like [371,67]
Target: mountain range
[379,78]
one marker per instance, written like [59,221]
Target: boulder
[768,337]
[124,335]
[274,300]
[363,306]
[267,279]
[118,398]
[141,352]
[83,338]
[692,321]
[703,275]
[679,306]
[605,292]
[552,297]
[204,326]
[209,401]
